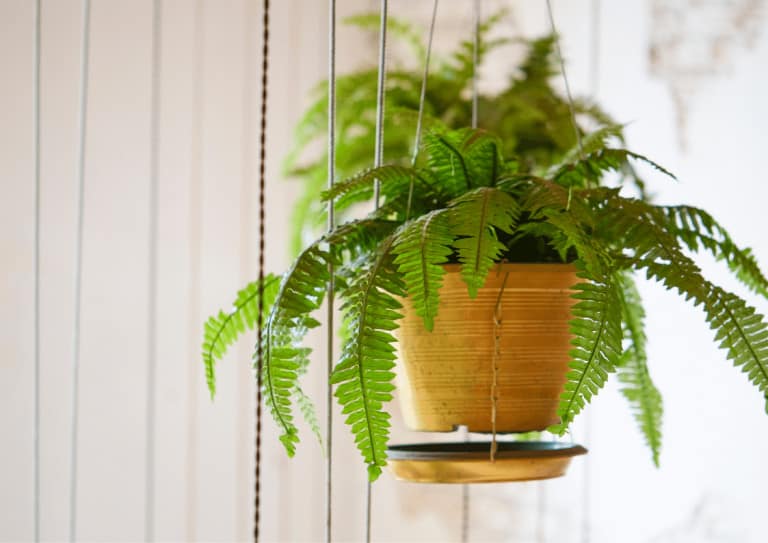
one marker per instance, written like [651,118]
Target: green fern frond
[474,219]
[302,291]
[698,229]
[309,413]
[740,330]
[638,387]
[223,329]
[594,142]
[364,374]
[446,161]
[422,246]
[592,167]
[394,179]
[596,330]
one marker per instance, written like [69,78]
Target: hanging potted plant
[522,268]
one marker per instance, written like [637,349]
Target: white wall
[716,433]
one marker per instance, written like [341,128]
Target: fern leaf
[422,246]
[596,329]
[364,374]
[394,180]
[740,330]
[302,291]
[638,387]
[474,219]
[698,229]
[580,172]
[309,413]
[447,162]
[223,329]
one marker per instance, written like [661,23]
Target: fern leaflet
[364,374]
[596,327]
[223,329]
[638,388]
[422,246]
[474,219]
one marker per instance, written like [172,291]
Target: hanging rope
[331,286]
[594,77]
[422,98]
[378,157]
[262,221]
[571,107]
[154,150]
[36,146]
[82,118]
[475,57]
[497,324]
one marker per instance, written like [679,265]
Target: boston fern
[532,120]
[465,201]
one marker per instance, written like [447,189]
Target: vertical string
[82,122]
[36,338]
[262,220]
[423,93]
[571,108]
[465,498]
[154,150]
[195,259]
[475,56]
[594,75]
[331,286]
[422,98]
[378,157]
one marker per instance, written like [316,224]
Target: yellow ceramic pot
[445,377]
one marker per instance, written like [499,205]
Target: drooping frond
[474,219]
[637,386]
[582,172]
[594,141]
[740,330]
[309,413]
[596,330]
[422,246]
[223,329]
[395,181]
[302,291]
[364,374]
[698,229]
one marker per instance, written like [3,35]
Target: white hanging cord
[154,150]
[195,218]
[475,56]
[36,145]
[497,327]
[378,157]
[422,98]
[594,78]
[565,80]
[331,221]
[82,124]
[423,94]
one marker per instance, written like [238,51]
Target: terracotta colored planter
[445,376]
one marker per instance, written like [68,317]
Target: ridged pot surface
[445,376]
